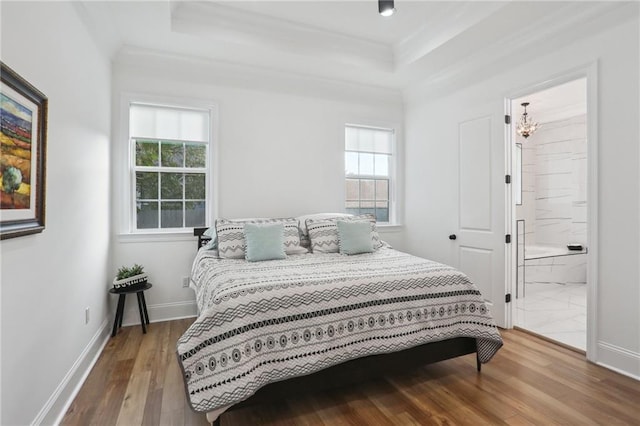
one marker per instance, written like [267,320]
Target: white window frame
[125,169]
[394,183]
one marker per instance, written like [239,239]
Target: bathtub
[542,251]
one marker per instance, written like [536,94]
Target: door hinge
[507,179]
[507,119]
[507,298]
[507,239]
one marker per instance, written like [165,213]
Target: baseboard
[619,359]
[159,312]
[59,402]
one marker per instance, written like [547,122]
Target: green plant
[126,272]
[11,180]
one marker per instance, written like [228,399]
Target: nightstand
[142,305]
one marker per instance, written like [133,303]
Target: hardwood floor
[137,380]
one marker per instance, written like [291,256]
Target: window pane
[171,214]
[146,186]
[147,215]
[367,189]
[352,204]
[194,213]
[352,189]
[171,184]
[172,154]
[351,163]
[353,211]
[173,142]
[195,155]
[194,186]
[146,153]
[382,215]
[368,211]
[366,164]
[382,165]
[382,189]
[367,204]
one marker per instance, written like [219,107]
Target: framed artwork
[23,134]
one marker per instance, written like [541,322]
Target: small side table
[142,306]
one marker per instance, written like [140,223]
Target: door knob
[452,237]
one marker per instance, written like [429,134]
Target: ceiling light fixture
[386,8]
[526,127]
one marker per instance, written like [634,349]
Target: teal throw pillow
[264,242]
[213,242]
[354,237]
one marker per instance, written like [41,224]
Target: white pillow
[302,223]
[323,233]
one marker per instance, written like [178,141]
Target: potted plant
[129,276]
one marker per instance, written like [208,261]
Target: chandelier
[526,126]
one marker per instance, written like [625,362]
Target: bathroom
[551,214]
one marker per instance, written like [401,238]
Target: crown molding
[567,23]
[194,70]
[454,19]
[228,24]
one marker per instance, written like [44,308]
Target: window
[170,166]
[369,171]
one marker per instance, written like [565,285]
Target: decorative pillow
[231,242]
[264,241]
[302,220]
[354,237]
[323,233]
[213,242]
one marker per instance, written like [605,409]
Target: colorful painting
[15,149]
[23,111]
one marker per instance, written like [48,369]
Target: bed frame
[356,370]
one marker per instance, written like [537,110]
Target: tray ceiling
[348,41]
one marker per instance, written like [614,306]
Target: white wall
[50,278]
[280,154]
[430,180]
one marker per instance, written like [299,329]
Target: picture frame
[23,142]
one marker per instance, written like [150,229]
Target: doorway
[550,211]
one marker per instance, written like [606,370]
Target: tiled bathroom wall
[554,183]
[561,167]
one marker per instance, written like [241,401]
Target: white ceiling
[344,41]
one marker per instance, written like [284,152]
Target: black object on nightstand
[142,305]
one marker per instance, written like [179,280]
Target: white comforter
[267,321]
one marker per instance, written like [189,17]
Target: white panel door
[480,237]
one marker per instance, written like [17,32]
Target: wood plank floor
[137,380]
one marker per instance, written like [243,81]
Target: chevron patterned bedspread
[262,322]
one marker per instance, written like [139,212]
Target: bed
[309,322]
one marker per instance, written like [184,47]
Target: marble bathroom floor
[556,311]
